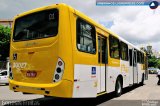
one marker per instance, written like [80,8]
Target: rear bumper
[63,88]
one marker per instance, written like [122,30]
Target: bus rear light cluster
[59,70]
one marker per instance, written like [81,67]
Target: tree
[4,42]
[158,63]
[153,62]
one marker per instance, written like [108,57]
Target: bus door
[135,69]
[102,60]
[131,78]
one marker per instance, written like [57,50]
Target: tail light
[59,70]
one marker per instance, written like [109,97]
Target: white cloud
[138,25]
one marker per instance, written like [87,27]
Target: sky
[139,25]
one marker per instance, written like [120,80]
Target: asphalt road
[146,95]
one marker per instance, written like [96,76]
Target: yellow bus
[58,51]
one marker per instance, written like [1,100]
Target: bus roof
[104,28]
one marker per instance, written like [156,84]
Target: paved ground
[6,94]
[145,95]
[149,91]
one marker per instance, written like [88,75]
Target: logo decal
[153,4]
[15,56]
[19,65]
[93,70]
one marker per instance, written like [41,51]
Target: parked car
[153,70]
[4,74]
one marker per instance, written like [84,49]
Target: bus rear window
[37,25]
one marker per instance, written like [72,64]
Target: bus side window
[86,37]
[124,51]
[135,58]
[114,47]
[138,57]
[143,58]
[130,57]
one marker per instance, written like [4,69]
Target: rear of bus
[39,51]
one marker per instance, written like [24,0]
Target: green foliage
[153,62]
[4,42]
[158,63]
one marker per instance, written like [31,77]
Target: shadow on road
[48,101]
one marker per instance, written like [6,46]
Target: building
[156,54]
[149,50]
[6,22]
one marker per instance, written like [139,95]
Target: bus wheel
[51,97]
[7,83]
[25,93]
[47,96]
[118,88]
[142,82]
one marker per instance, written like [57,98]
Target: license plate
[31,74]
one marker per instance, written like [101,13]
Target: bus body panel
[33,62]
[41,55]
[85,82]
[31,54]
[60,89]
[125,72]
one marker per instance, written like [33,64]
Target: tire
[47,96]
[142,82]
[118,88]
[7,83]
[25,93]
